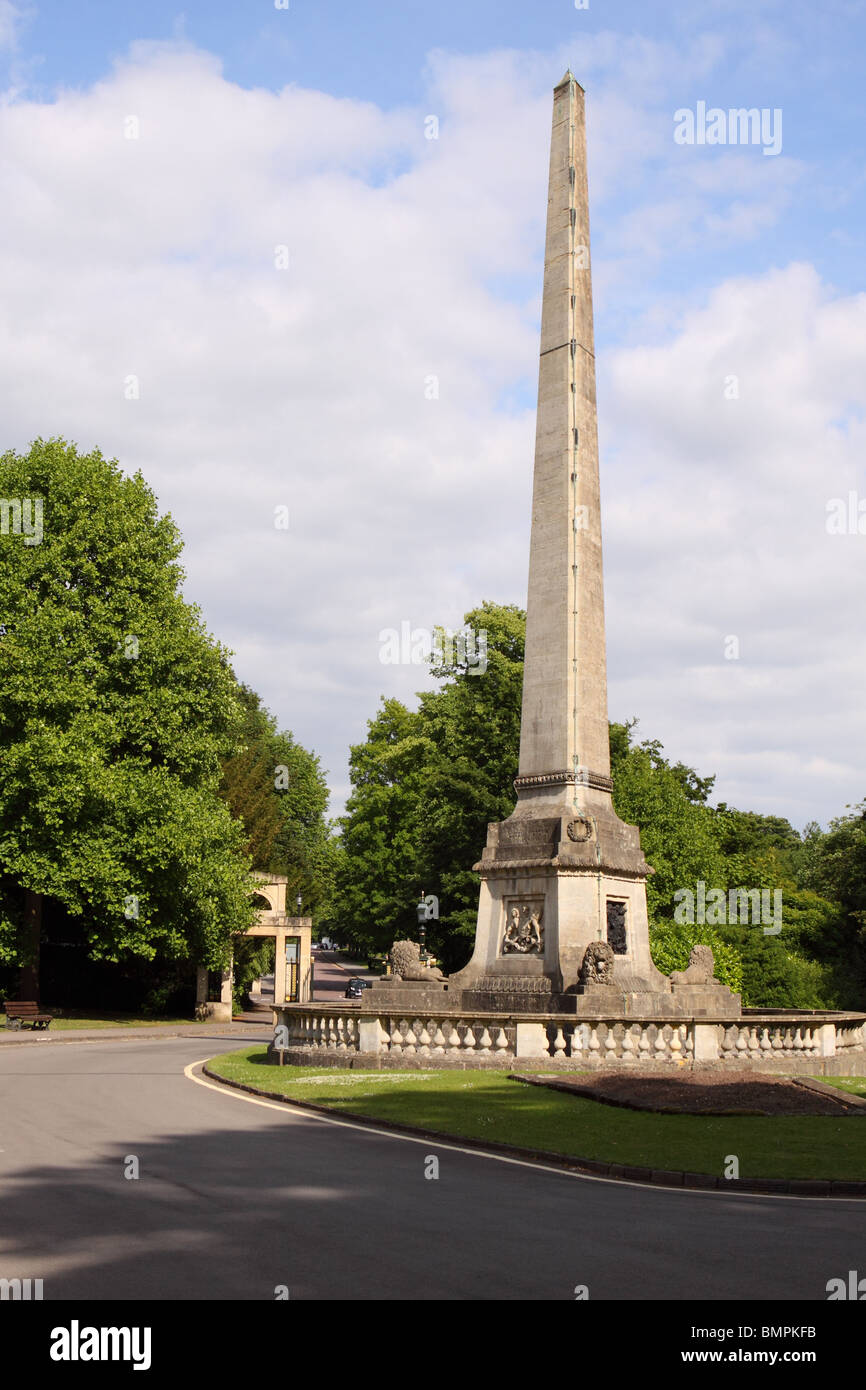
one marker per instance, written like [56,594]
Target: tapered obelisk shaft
[564,729]
[563,878]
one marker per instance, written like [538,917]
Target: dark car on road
[356,986]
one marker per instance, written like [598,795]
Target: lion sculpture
[406,963]
[597,964]
[700,969]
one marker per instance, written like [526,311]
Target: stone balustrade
[811,1042]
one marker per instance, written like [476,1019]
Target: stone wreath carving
[597,964]
[579,829]
[700,969]
[524,932]
[406,963]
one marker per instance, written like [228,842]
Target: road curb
[596,1168]
[71,1035]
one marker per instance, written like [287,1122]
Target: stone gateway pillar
[564,873]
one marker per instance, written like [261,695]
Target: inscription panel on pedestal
[617,937]
[523,932]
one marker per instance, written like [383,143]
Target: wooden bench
[21,1011]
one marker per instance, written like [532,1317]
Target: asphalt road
[235,1198]
[332,974]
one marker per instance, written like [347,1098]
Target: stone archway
[293,972]
[293,976]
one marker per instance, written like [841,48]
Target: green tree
[278,790]
[667,804]
[247,783]
[381,856]
[473,727]
[833,866]
[116,710]
[425,784]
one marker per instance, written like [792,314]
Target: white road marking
[433,1143]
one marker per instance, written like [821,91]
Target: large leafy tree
[425,785]
[381,857]
[278,790]
[116,711]
[832,865]
[473,726]
[677,829]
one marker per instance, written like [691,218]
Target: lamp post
[421,910]
[300,903]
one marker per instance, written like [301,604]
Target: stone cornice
[584,777]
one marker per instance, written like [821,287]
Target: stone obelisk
[564,871]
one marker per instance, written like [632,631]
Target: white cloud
[154,256]
[11,19]
[716,515]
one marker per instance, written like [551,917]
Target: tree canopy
[117,709]
[278,790]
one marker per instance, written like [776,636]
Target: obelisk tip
[568,78]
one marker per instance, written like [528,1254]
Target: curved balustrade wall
[832,1043]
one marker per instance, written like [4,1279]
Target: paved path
[331,975]
[251,1028]
[235,1198]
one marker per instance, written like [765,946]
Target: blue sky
[304,127]
[804,58]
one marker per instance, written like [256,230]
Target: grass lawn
[855,1084]
[487,1106]
[71,1019]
